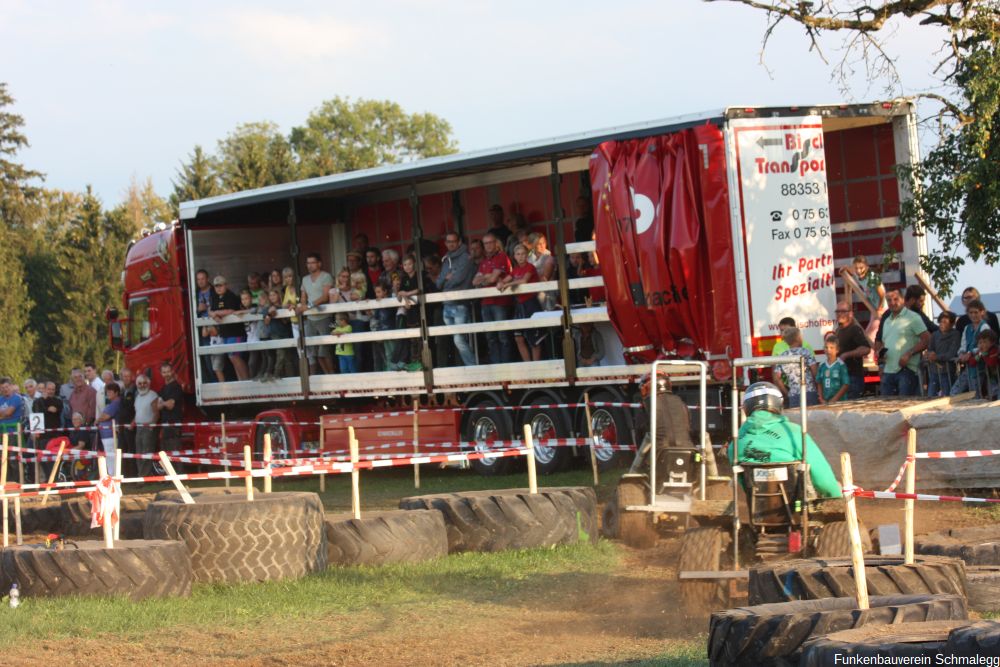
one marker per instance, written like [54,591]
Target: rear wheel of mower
[484,428]
[547,425]
[835,540]
[702,549]
[636,529]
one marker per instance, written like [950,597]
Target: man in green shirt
[904,337]
[768,437]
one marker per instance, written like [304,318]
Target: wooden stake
[416,441]
[169,467]
[857,553]
[37,463]
[3,489]
[114,448]
[529,445]
[355,475]
[590,434]
[247,465]
[222,422]
[118,476]
[911,486]
[20,457]
[267,462]
[322,448]
[17,520]
[55,469]
[102,472]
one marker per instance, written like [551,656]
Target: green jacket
[769,438]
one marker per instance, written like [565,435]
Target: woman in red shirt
[525,304]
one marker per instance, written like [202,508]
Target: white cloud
[270,36]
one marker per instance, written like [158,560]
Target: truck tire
[974,640]
[976,546]
[816,578]
[135,568]
[513,518]
[636,529]
[903,643]
[75,512]
[835,540]
[772,635]
[546,424]
[611,426]
[277,536]
[484,427]
[377,538]
[983,582]
[703,549]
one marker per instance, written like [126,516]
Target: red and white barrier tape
[858,492]
[962,454]
[899,477]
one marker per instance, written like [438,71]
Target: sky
[112,90]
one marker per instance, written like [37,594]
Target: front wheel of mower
[703,549]
[636,529]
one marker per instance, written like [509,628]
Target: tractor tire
[636,529]
[277,536]
[237,489]
[975,640]
[137,569]
[130,525]
[983,582]
[39,518]
[835,540]
[817,578]
[772,635]
[976,546]
[905,643]
[377,538]
[513,518]
[75,513]
[703,549]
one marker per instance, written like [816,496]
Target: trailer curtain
[664,242]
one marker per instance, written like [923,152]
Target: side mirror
[117,336]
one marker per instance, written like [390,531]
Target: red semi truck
[708,229]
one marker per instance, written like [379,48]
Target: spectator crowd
[507,257]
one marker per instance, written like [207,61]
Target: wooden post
[590,435]
[102,472]
[17,519]
[355,475]
[37,464]
[20,456]
[267,462]
[911,487]
[416,441]
[322,448]
[118,475]
[248,466]
[857,552]
[3,489]
[529,445]
[114,446]
[169,467]
[55,469]
[222,422]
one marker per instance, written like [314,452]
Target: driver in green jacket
[768,437]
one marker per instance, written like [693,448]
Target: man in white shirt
[147,414]
[95,381]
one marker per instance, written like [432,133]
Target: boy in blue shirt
[832,374]
[11,406]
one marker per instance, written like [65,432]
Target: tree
[342,135]
[956,190]
[16,191]
[255,155]
[196,179]
[142,207]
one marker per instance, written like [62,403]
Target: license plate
[770,474]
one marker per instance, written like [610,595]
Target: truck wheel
[702,549]
[635,528]
[984,587]
[135,568]
[817,578]
[277,536]
[975,640]
[513,518]
[881,644]
[610,427]
[377,538]
[772,635]
[484,428]
[279,438]
[545,425]
[835,540]
[976,546]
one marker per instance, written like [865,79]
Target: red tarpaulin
[664,242]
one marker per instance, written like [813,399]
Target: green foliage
[15,353]
[196,179]
[342,135]
[255,155]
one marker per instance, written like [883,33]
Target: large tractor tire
[976,546]
[135,568]
[75,513]
[835,540]
[277,536]
[547,424]
[485,427]
[636,529]
[237,489]
[703,549]
[513,518]
[377,538]
[975,640]
[905,643]
[983,582]
[817,578]
[772,635]
[39,518]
